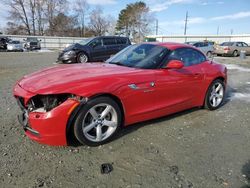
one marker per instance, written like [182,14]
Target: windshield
[85,41]
[227,44]
[146,56]
[30,39]
[14,42]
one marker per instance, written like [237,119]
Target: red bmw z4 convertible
[92,101]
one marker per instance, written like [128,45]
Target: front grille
[33,43]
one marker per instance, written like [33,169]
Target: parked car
[206,47]
[92,101]
[232,48]
[93,49]
[15,45]
[32,43]
[3,42]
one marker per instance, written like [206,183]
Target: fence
[216,38]
[60,42]
[48,41]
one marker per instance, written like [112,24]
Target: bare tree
[52,9]
[81,8]
[40,16]
[32,6]
[18,13]
[98,23]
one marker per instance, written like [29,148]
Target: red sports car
[91,102]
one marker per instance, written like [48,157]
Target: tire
[235,53]
[82,58]
[91,124]
[214,98]
[209,54]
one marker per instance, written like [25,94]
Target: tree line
[59,18]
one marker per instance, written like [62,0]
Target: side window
[109,41]
[121,41]
[188,56]
[95,43]
[244,44]
[239,44]
[197,45]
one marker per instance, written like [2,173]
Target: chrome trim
[133,86]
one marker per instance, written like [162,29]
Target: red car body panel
[159,92]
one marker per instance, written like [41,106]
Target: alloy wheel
[83,58]
[100,122]
[216,95]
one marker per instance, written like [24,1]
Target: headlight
[71,52]
[45,103]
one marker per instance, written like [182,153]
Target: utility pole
[156,27]
[231,31]
[218,30]
[186,20]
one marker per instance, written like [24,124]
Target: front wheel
[235,53]
[82,58]
[98,121]
[209,54]
[215,95]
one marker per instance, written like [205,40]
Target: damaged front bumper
[44,126]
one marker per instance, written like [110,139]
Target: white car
[15,45]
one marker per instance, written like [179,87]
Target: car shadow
[246,172]
[134,127]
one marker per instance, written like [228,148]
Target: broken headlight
[45,103]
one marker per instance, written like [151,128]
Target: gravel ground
[195,148]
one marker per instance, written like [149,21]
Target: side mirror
[175,64]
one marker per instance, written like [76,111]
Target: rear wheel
[98,121]
[82,58]
[215,95]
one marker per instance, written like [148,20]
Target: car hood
[71,78]
[73,47]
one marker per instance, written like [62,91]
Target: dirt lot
[195,148]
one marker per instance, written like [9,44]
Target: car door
[179,89]
[97,50]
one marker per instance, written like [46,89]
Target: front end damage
[44,117]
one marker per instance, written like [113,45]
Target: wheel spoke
[109,123]
[93,113]
[106,111]
[214,101]
[99,133]
[214,88]
[211,97]
[89,127]
[218,88]
[219,96]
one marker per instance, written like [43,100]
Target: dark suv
[93,49]
[3,42]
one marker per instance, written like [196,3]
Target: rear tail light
[226,48]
